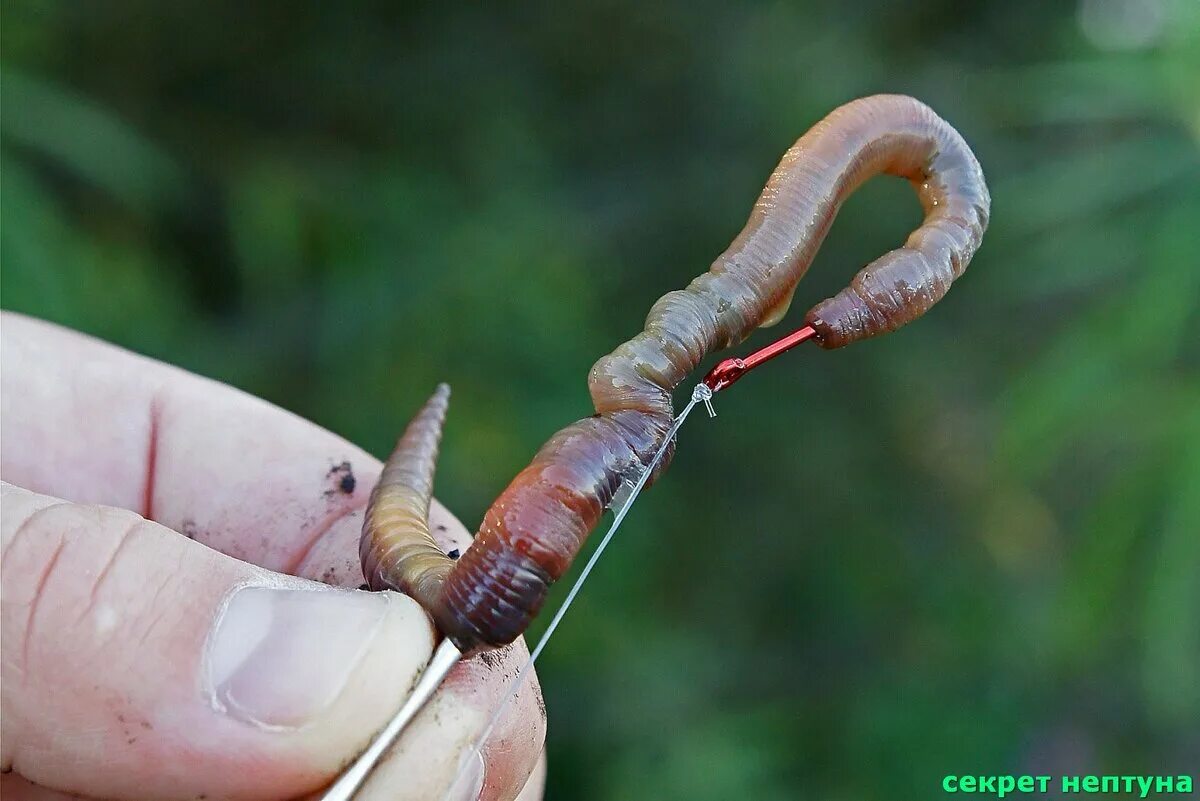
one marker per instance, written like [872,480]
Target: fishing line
[622,503]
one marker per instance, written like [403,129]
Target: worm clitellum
[534,529]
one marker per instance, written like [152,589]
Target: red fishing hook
[730,370]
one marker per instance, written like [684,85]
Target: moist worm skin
[396,548]
[534,529]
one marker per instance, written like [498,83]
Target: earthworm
[534,529]
[397,515]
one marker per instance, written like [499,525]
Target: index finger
[92,423]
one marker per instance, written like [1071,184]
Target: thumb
[140,664]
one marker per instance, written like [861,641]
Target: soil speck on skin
[188,529]
[146,725]
[454,553]
[541,702]
[489,658]
[343,479]
[131,741]
[441,527]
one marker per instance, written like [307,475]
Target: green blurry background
[971,547]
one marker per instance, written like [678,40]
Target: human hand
[179,645]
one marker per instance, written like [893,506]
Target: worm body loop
[534,529]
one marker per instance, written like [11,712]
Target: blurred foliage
[969,547]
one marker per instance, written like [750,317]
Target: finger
[428,759]
[442,762]
[535,786]
[14,787]
[138,664]
[91,423]
[17,788]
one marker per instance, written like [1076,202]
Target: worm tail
[396,548]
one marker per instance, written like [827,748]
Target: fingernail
[278,657]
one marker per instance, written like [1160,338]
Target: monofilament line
[351,781]
[701,394]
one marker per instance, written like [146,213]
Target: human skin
[168,626]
